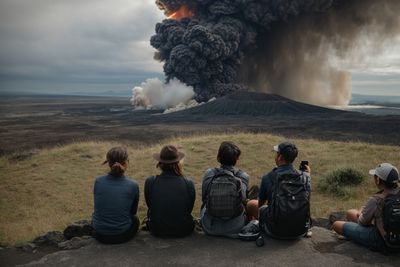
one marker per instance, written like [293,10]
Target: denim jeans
[364,235]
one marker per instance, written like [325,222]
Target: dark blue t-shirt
[115,203]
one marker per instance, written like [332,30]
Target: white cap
[386,172]
[276,148]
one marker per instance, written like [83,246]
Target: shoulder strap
[274,177]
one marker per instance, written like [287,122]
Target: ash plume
[153,93]
[301,49]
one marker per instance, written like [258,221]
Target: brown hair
[117,157]
[176,168]
[228,153]
[388,185]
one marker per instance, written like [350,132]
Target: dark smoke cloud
[289,47]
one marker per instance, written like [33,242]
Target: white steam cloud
[153,93]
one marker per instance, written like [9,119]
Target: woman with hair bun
[116,200]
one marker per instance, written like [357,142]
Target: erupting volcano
[300,49]
[182,13]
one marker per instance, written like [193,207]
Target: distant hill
[392,101]
[257,104]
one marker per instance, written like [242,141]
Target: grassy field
[51,188]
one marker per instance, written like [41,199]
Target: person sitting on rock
[283,205]
[116,200]
[366,226]
[169,196]
[224,189]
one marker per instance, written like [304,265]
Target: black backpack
[224,195]
[288,213]
[391,220]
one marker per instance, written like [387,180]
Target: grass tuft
[340,182]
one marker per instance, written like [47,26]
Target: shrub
[340,182]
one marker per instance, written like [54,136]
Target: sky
[102,47]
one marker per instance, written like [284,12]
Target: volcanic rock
[76,242]
[50,239]
[322,249]
[78,229]
[321,222]
[337,216]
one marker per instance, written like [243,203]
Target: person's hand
[307,169]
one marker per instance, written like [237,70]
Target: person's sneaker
[308,234]
[143,225]
[250,231]
[197,226]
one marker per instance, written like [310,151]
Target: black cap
[288,150]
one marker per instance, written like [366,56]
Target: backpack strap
[380,203]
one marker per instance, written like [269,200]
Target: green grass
[341,182]
[53,187]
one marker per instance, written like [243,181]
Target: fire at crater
[294,48]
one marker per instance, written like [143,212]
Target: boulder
[337,216]
[50,239]
[321,222]
[78,229]
[76,242]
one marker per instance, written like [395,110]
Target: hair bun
[117,169]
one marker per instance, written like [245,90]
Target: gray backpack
[224,195]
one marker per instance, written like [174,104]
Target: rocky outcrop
[76,247]
[76,235]
[323,249]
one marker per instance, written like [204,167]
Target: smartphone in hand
[303,164]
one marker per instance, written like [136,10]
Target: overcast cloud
[78,42]
[80,46]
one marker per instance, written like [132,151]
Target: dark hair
[388,185]
[175,168]
[228,153]
[288,151]
[116,158]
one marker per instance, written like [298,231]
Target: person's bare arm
[367,213]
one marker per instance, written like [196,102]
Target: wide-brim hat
[169,154]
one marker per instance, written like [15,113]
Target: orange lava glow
[182,12]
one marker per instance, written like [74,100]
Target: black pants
[120,238]
[161,230]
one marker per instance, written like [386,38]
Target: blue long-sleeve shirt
[115,203]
